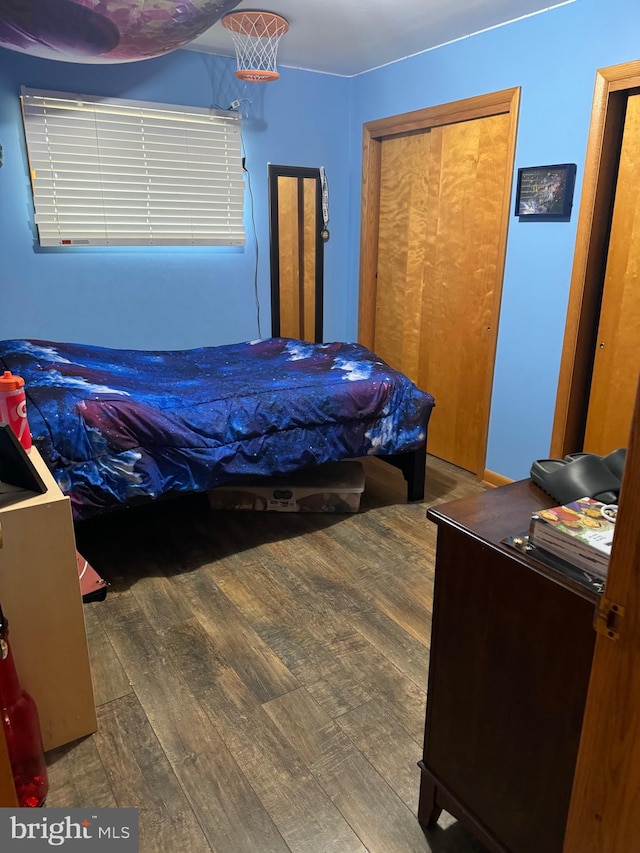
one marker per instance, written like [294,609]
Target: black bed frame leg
[415,474]
[413,466]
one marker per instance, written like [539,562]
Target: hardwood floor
[260,677]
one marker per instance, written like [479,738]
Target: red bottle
[22,729]
[13,406]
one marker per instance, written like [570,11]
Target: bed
[117,427]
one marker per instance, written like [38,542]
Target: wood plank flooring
[260,677]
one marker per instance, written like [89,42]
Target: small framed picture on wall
[545,192]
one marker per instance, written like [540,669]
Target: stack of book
[581,533]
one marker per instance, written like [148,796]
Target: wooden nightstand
[40,596]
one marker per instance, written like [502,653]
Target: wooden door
[607,244]
[297,265]
[604,816]
[432,261]
[616,362]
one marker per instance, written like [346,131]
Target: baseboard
[491,479]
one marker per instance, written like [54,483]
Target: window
[107,172]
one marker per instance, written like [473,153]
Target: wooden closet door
[617,355]
[405,166]
[440,247]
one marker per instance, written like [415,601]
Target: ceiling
[347,37]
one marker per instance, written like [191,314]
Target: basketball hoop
[256,36]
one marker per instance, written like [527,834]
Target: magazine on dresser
[580,532]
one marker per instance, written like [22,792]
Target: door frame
[418,121]
[299,172]
[612,88]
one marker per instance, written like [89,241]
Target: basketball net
[256,36]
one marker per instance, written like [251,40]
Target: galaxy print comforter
[115,426]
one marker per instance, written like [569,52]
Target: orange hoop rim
[233,21]
[253,75]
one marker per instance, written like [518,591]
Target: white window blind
[107,172]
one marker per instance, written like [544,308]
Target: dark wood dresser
[511,649]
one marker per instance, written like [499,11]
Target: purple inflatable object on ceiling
[102,31]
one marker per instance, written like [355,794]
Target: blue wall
[162,297]
[553,57]
[168,298]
